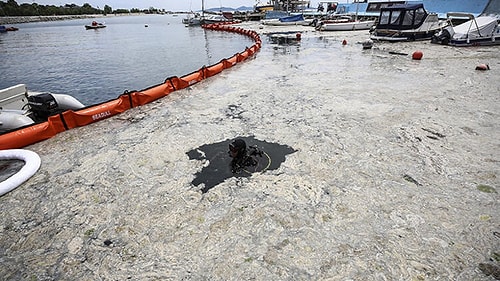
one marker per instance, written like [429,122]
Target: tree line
[12,9]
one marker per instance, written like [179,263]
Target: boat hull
[401,36]
[408,22]
[279,23]
[478,42]
[94,26]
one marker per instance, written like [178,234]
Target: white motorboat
[19,108]
[480,31]
[345,23]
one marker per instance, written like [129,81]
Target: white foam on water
[382,186]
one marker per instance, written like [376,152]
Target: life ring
[32,163]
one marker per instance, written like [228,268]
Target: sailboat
[346,22]
[204,18]
[194,19]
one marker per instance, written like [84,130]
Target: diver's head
[237,148]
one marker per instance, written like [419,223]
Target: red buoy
[417,55]
[483,67]
[298,36]
[344,42]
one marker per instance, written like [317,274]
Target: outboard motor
[443,37]
[43,105]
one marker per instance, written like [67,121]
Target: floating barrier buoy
[344,42]
[32,163]
[298,36]
[417,55]
[483,66]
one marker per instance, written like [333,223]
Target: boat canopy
[292,18]
[476,28]
[402,17]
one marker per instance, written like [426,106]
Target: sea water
[387,181]
[131,53]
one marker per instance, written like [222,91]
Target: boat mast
[357,8]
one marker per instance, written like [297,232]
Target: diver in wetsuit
[242,157]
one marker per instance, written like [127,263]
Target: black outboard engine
[43,105]
[443,37]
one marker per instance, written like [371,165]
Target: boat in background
[346,22]
[259,7]
[288,20]
[406,22]
[19,108]
[480,31]
[4,29]
[215,18]
[95,25]
[345,25]
[192,19]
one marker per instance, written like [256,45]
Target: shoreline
[29,19]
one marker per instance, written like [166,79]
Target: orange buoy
[344,42]
[483,66]
[298,36]
[417,55]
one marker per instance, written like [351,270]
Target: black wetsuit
[245,158]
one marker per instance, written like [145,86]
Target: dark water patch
[9,167]
[219,162]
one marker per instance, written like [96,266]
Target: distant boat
[216,18]
[289,20]
[406,22]
[480,31]
[95,25]
[3,28]
[259,7]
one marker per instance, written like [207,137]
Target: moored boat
[95,25]
[19,107]
[215,18]
[259,7]
[480,31]
[192,19]
[406,22]
[4,29]
[344,23]
[284,21]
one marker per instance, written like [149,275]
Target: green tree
[107,9]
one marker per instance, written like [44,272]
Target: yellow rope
[263,170]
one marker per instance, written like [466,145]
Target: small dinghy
[19,108]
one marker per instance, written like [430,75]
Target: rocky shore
[15,20]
